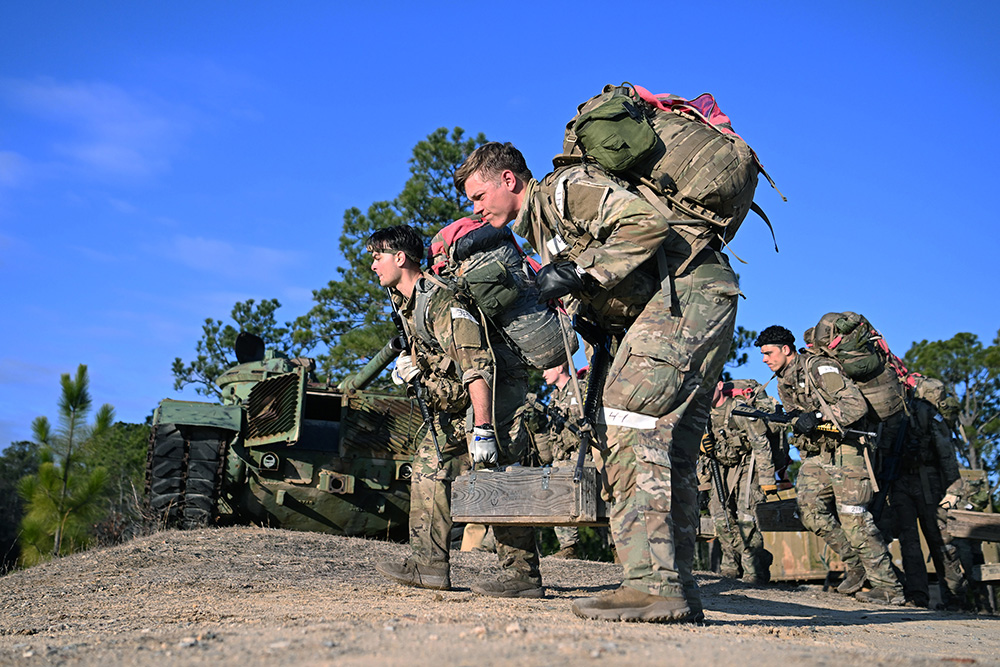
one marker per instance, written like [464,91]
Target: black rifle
[708,446]
[599,364]
[416,388]
[782,417]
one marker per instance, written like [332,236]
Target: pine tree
[62,500]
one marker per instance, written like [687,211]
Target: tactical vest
[440,372]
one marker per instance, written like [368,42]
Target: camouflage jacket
[582,213]
[449,348]
[735,437]
[816,383]
[929,442]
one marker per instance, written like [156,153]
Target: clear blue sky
[160,161]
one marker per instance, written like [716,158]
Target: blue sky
[161,161]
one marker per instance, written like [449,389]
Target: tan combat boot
[629,604]
[411,573]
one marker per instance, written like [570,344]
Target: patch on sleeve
[583,200]
[938,417]
[831,378]
[461,313]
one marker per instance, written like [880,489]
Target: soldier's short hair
[489,161]
[775,335]
[401,238]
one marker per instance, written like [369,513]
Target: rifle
[599,364]
[416,387]
[782,417]
[708,446]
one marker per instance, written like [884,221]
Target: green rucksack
[681,155]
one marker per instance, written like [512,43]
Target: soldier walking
[834,484]
[740,446]
[469,390]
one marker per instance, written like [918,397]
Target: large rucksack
[865,357]
[486,264]
[669,148]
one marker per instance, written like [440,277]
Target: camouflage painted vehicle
[285,451]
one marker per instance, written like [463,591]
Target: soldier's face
[388,267]
[776,356]
[494,199]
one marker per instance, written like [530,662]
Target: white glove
[484,445]
[405,371]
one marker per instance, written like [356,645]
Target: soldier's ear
[509,180]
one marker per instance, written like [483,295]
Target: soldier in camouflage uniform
[834,480]
[743,451]
[609,247]
[927,466]
[972,495]
[556,443]
[451,357]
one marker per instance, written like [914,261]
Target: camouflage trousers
[666,369]
[837,485]
[913,501]
[430,486]
[741,541]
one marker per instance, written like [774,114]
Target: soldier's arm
[843,397]
[941,439]
[459,334]
[628,227]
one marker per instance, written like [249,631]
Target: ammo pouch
[492,287]
[616,133]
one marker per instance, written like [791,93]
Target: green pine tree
[62,500]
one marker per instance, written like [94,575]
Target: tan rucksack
[681,155]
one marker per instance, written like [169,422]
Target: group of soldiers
[877,461]
[670,309]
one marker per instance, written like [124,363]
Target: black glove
[805,423]
[558,279]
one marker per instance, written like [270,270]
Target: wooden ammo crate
[529,497]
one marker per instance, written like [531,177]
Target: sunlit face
[776,356]
[387,266]
[717,397]
[550,375]
[494,199]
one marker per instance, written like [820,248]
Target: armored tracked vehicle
[285,451]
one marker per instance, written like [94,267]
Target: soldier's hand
[484,445]
[949,502]
[559,279]
[405,369]
[805,423]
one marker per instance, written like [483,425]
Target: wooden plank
[974,525]
[987,572]
[528,497]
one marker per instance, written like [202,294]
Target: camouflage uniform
[451,351]
[745,457]
[659,386]
[928,467]
[833,470]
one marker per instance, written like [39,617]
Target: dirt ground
[254,596]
